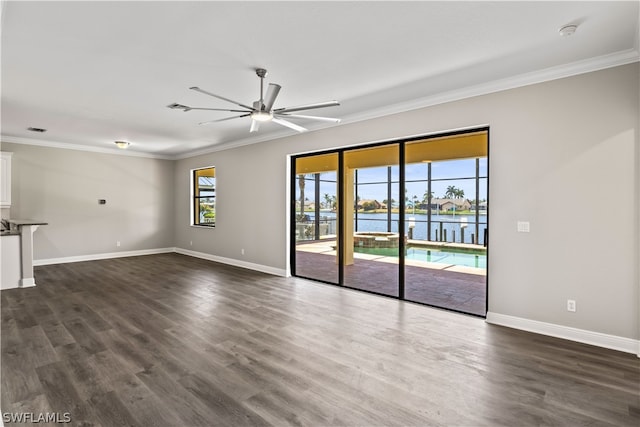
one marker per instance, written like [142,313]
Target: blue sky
[414,172]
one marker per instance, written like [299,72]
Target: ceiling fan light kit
[262,110]
[262,116]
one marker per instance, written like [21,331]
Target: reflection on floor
[449,286]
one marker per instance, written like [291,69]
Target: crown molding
[78,147]
[548,74]
[616,59]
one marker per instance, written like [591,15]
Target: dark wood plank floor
[177,341]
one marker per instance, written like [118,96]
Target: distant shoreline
[410,212]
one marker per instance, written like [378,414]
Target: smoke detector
[568,30]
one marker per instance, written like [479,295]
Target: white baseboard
[612,342]
[108,255]
[95,257]
[230,261]
[27,283]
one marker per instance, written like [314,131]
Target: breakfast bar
[17,254]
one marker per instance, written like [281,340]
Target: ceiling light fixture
[568,30]
[122,144]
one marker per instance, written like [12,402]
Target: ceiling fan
[262,109]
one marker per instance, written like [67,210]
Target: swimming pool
[441,256]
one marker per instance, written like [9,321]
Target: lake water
[451,223]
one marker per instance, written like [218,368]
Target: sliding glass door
[315,217]
[446,222]
[371,235]
[406,219]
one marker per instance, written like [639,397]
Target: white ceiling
[95,72]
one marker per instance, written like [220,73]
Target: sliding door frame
[401,214]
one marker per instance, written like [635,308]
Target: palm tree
[459,193]
[451,192]
[428,195]
[327,200]
[301,186]
[407,200]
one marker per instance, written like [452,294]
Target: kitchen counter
[17,254]
[21,222]
[16,226]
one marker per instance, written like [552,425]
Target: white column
[26,243]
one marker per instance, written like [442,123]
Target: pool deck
[443,285]
[328,248]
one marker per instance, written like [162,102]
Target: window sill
[203,226]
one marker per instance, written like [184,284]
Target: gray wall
[62,187]
[563,155]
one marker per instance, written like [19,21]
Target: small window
[204,197]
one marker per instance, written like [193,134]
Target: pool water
[448,257]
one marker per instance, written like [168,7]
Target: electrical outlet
[118,243]
[190,242]
[571,305]
[241,251]
[523,226]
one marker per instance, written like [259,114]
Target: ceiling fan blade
[289,125]
[299,116]
[307,107]
[218,109]
[270,97]
[255,125]
[197,89]
[224,120]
